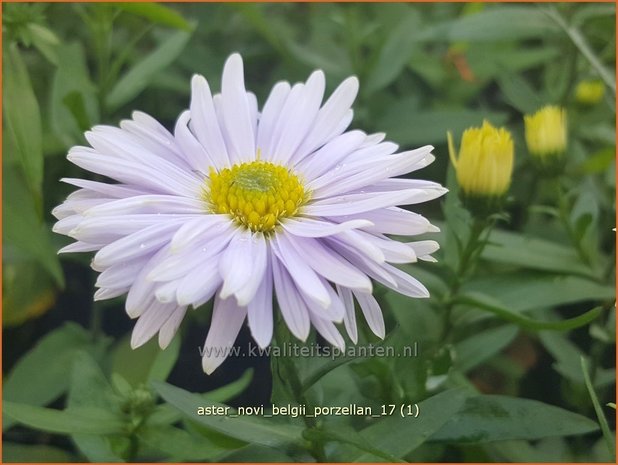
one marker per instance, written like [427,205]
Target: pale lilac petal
[394,220]
[236,111]
[151,203]
[135,245]
[268,119]
[334,312]
[201,284]
[121,274]
[372,311]
[328,331]
[197,156]
[329,117]
[205,124]
[227,319]
[260,309]
[291,304]
[307,227]
[169,328]
[330,264]
[424,249]
[302,274]
[80,246]
[236,263]
[150,322]
[105,293]
[118,191]
[259,252]
[330,155]
[297,116]
[349,319]
[200,227]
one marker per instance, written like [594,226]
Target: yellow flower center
[256,195]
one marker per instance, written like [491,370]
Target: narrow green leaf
[607,434]
[179,445]
[519,93]
[73,104]
[487,303]
[489,418]
[33,453]
[395,53]
[164,362]
[156,13]
[83,420]
[23,121]
[46,362]
[351,437]
[248,429]
[143,72]
[482,346]
[399,436]
[493,24]
[22,227]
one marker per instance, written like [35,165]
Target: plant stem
[469,254]
[291,381]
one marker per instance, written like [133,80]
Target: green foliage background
[512,364]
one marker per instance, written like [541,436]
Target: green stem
[291,380]
[469,255]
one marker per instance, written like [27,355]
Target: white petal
[227,319]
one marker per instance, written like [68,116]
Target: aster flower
[240,205]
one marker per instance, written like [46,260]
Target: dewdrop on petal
[240,205]
[483,167]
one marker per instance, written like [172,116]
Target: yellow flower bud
[484,166]
[546,137]
[589,92]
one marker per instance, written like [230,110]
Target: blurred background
[424,69]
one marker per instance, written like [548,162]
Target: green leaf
[534,253]
[351,437]
[535,290]
[45,41]
[498,23]
[22,227]
[394,54]
[23,121]
[258,454]
[33,453]
[567,356]
[607,434]
[73,104]
[164,362]
[519,93]
[399,436]
[408,126]
[179,445]
[489,418]
[490,304]
[76,420]
[248,429]
[47,363]
[90,388]
[144,71]
[480,347]
[156,13]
